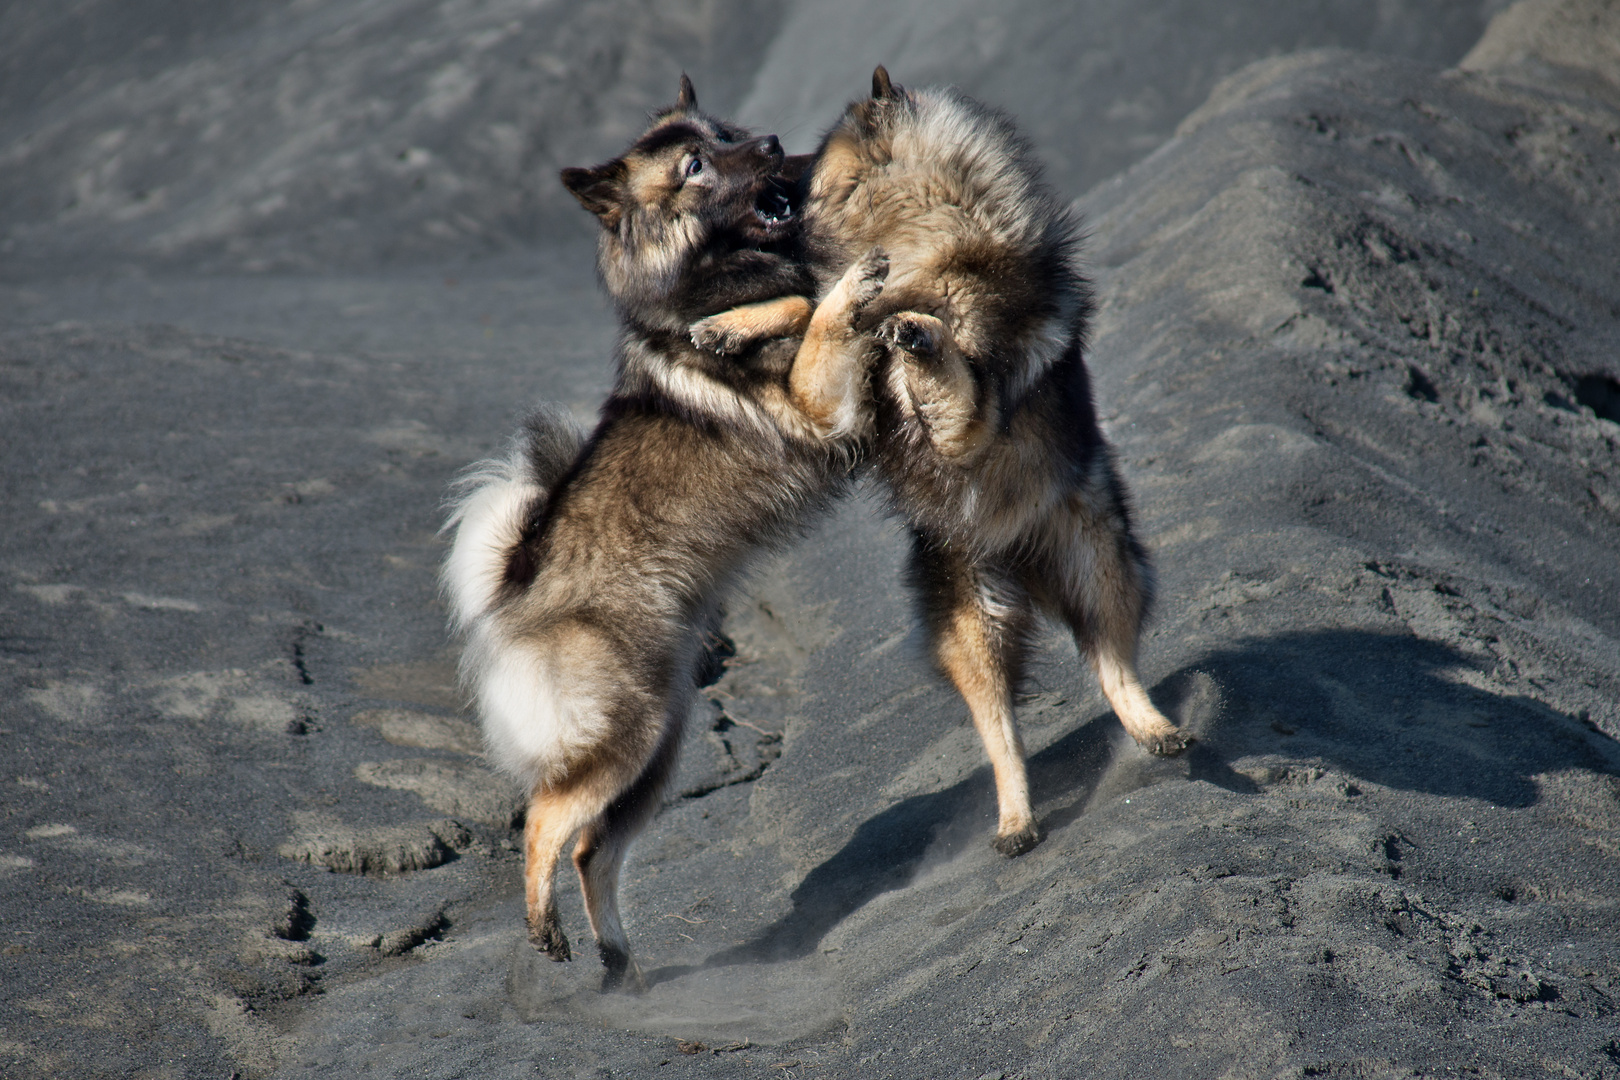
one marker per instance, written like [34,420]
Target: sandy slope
[1357,349]
[304,136]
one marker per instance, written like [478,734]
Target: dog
[587,572]
[972,393]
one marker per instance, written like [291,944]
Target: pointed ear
[599,190]
[686,100]
[882,88]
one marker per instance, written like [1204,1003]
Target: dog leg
[828,380]
[939,384]
[970,662]
[1115,663]
[552,817]
[731,332]
[977,632]
[1106,599]
[599,856]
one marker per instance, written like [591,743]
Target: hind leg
[1104,587]
[599,855]
[977,623]
[554,815]
[1114,660]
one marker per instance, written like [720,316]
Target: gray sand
[1358,349]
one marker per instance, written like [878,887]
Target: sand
[1357,349]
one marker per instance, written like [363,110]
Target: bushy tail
[491,501]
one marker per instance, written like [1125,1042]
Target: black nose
[770,147]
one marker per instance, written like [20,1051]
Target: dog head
[857,145]
[692,188]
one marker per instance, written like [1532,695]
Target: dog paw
[549,938]
[916,334]
[622,975]
[867,277]
[713,335]
[1168,743]
[1015,844]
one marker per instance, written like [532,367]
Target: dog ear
[599,190]
[686,100]
[882,88]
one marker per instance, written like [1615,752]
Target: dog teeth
[774,208]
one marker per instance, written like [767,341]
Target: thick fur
[973,395]
[587,573]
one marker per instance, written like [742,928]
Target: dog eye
[694,166]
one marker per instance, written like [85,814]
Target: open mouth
[773,208]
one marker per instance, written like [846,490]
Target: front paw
[917,334]
[714,335]
[866,278]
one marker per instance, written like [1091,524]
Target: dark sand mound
[1121,73]
[300,136]
[290,135]
[1358,351]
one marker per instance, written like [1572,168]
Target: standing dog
[586,573]
[977,404]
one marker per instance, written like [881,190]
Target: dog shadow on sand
[1380,708]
